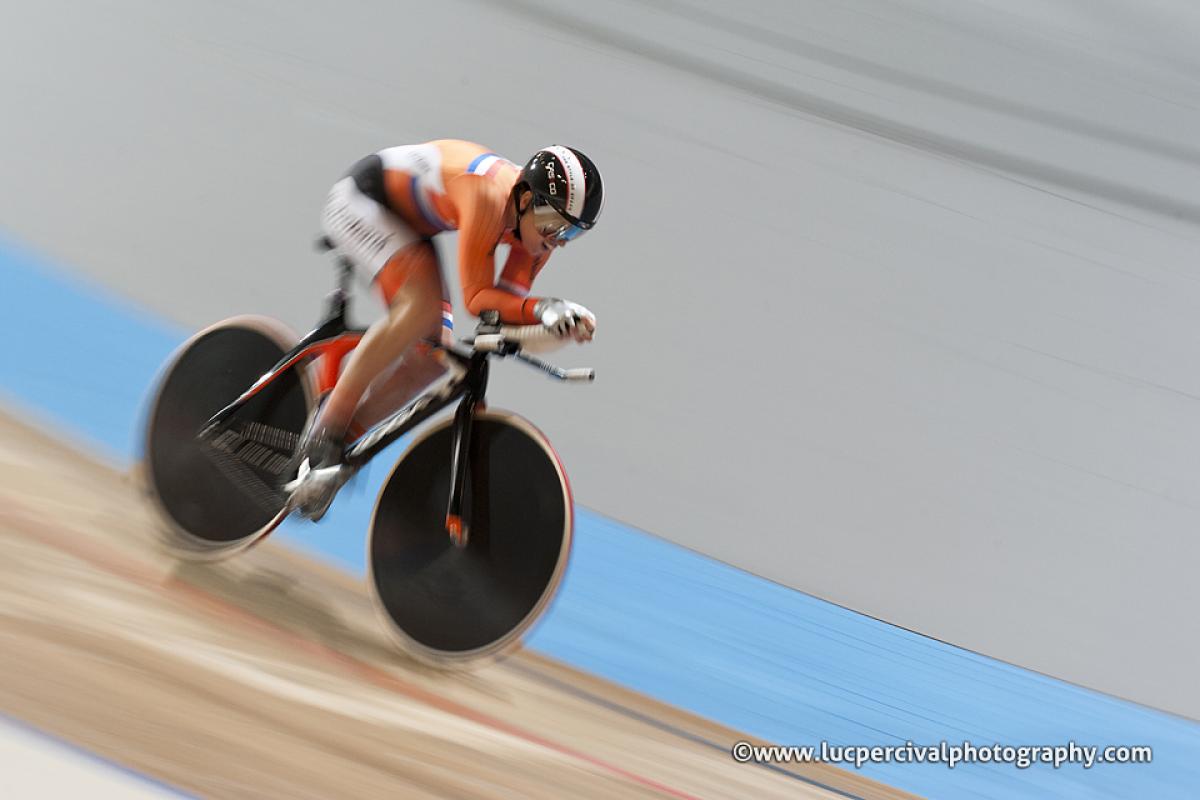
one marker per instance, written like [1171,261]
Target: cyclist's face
[537,239]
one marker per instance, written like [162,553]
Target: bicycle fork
[460,456]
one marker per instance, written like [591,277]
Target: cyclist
[383,215]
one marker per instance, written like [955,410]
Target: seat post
[339,298]
[345,274]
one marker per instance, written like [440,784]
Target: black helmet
[567,181]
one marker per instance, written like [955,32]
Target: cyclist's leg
[418,367]
[405,266]
[412,284]
[406,378]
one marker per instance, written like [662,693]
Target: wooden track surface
[269,675]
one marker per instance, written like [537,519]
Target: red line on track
[67,541]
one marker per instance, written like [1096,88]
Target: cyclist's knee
[417,313]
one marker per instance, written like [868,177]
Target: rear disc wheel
[218,496]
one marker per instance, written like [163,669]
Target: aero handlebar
[515,339]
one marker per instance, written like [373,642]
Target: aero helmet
[564,181]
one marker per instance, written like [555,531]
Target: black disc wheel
[217,494]
[452,606]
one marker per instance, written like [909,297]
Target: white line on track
[33,764]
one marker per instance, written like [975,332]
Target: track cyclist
[383,216]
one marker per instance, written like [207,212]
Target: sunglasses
[552,225]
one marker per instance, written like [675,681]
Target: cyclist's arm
[480,205]
[519,271]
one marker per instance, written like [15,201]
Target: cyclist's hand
[565,318]
[585,323]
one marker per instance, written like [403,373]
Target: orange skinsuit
[473,195]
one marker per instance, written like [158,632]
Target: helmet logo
[559,176]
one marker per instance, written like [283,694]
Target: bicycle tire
[451,607]
[204,513]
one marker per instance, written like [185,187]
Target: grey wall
[897,300]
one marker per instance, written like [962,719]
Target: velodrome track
[693,633]
[267,676]
[84,589]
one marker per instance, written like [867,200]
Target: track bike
[471,531]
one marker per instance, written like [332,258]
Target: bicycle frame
[330,342]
